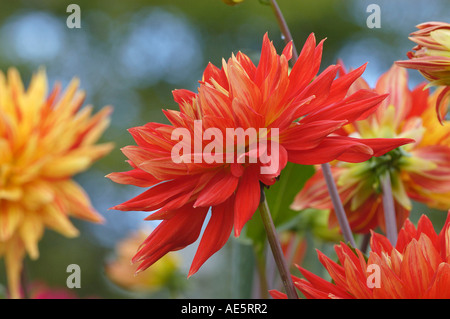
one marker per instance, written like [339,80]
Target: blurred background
[131,55]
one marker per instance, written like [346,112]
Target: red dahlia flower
[285,115]
[418,267]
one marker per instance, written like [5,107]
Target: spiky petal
[45,139]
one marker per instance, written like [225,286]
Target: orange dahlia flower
[292,116]
[431,56]
[419,171]
[418,267]
[44,141]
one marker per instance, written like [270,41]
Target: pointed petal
[247,198]
[215,235]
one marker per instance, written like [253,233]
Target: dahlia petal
[158,195]
[440,283]
[77,201]
[331,148]
[425,226]
[31,231]
[54,217]
[287,51]
[357,287]
[419,97]
[379,243]
[213,75]
[10,217]
[14,255]
[441,104]
[320,284]
[136,177]
[66,166]
[354,108]
[218,189]
[309,135]
[243,88]
[247,198]
[171,234]
[320,88]
[182,96]
[414,270]
[215,235]
[395,81]
[275,294]
[381,146]
[247,64]
[336,271]
[302,72]
[341,85]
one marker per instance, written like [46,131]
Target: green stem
[332,189]
[390,219]
[275,246]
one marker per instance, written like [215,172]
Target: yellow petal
[55,218]
[11,193]
[14,254]
[31,231]
[66,166]
[442,36]
[10,217]
[36,194]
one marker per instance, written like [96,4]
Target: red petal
[331,148]
[171,234]
[135,177]
[309,135]
[159,195]
[215,235]
[441,104]
[248,195]
[381,146]
[218,189]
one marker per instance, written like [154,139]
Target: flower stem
[332,189]
[390,220]
[284,28]
[275,246]
[337,204]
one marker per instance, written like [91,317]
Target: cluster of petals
[305,108]
[431,57]
[417,267]
[419,171]
[45,139]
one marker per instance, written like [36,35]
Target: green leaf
[279,198]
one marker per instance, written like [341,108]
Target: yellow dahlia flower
[45,139]
[162,274]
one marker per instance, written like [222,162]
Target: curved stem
[275,246]
[332,189]
[390,220]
